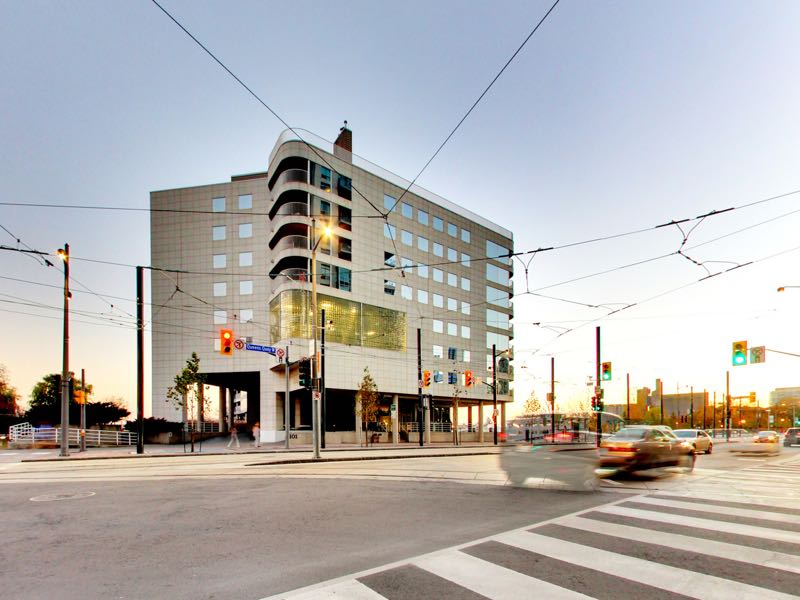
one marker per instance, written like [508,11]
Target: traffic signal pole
[287,403]
[599,387]
[139,360]
[65,360]
[419,386]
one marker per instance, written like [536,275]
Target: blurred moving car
[764,442]
[698,438]
[643,447]
[792,436]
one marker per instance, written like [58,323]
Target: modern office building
[390,261]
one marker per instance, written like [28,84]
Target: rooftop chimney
[343,146]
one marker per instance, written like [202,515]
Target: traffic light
[305,373]
[739,353]
[469,379]
[426,378]
[79,396]
[605,371]
[594,403]
[226,342]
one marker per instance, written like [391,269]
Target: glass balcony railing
[292,242]
[292,176]
[292,209]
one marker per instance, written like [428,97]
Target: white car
[698,438]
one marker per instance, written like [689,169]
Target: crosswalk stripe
[765,558]
[679,581]
[349,590]
[761,477]
[708,500]
[722,510]
[736,528]
[491,580]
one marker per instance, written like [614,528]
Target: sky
[614,118]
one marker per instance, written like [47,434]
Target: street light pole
[494,390]
[315,404]
[64,255]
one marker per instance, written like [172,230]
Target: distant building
[237,255]
[681,410]
[788,395]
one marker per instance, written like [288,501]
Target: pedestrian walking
[257,435]
[234,437]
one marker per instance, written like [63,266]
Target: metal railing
[203,427]
[291,176]
[291,242]
[436,427]
[25,433]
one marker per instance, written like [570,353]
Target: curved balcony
[286,197]
[291,242]
[296,163]
[287,229]
[291,176]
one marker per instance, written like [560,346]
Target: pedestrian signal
[226,342]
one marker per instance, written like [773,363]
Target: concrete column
[469,418]
[231,399]
[297,413]
[455,421]
[428,422]
[480,421]
[223,413]
[396,420]
[501,426]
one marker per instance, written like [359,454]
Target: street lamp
[63,254]
[314,366]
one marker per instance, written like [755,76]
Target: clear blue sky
[616,116]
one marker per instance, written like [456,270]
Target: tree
[367,402]
[8,395]
[45,405]
[109,411]
[532,405]
[187,393]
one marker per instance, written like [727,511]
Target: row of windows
[221,316]
[452,329]
[452,353]
[245,203]
[389,203]
[497,252]
[322,177]
[390,260]
[497,274]
[220,261]
[333,276]
[497,319]
[220,232]
[423,296]
[220,288]
[424,245]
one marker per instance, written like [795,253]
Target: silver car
[700,440]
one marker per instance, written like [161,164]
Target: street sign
[280,353]
[259,348]
[758,354]
[394,407]
[238,344]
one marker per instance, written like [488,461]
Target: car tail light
[621,449]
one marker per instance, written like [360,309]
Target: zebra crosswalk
[657,545]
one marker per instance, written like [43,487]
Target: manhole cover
[52,497]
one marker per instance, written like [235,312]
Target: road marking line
[722,510]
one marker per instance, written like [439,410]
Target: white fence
[26,434]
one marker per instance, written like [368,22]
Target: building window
[389,231]
[245,201]
[422,270]
[218,232]
[452,230]
[465,284]
[343,279]
[465,235]
[422,296]
[438,275]
[324,208]
[245,315]
[407,264]
[345,249]
[451,353]
[465,332]
[389,202]
[407,211]
[422,243]
[497,252]
[498,297]
[452,304]
[389,287]
[466,356]
[452,378]
[324,274]
[406,237]
[220,317]
[497,275]
[452,255]
[438,249]
[438,326]
[245,230]
[422,217]
[452,279]
[345,218]
[390,259]
[466,260]
[220,289]
[220,261]
[438,224]
[325,179]
[218,205]
[344,187]
[452,329]
[438,351]
[406,293]
[497,319]
[438,376]
[498,340]
[245,288]
[245,259]
[438,301]
[465,308]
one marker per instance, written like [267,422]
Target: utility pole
[628,396]
[139,360]
[705,404]
[553,396]
[322,376]
[714,416]
[691,407]
[83,410]
[599,388]
[287,401]
[419,387]
[494,391]
[727,406]
[64,254]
